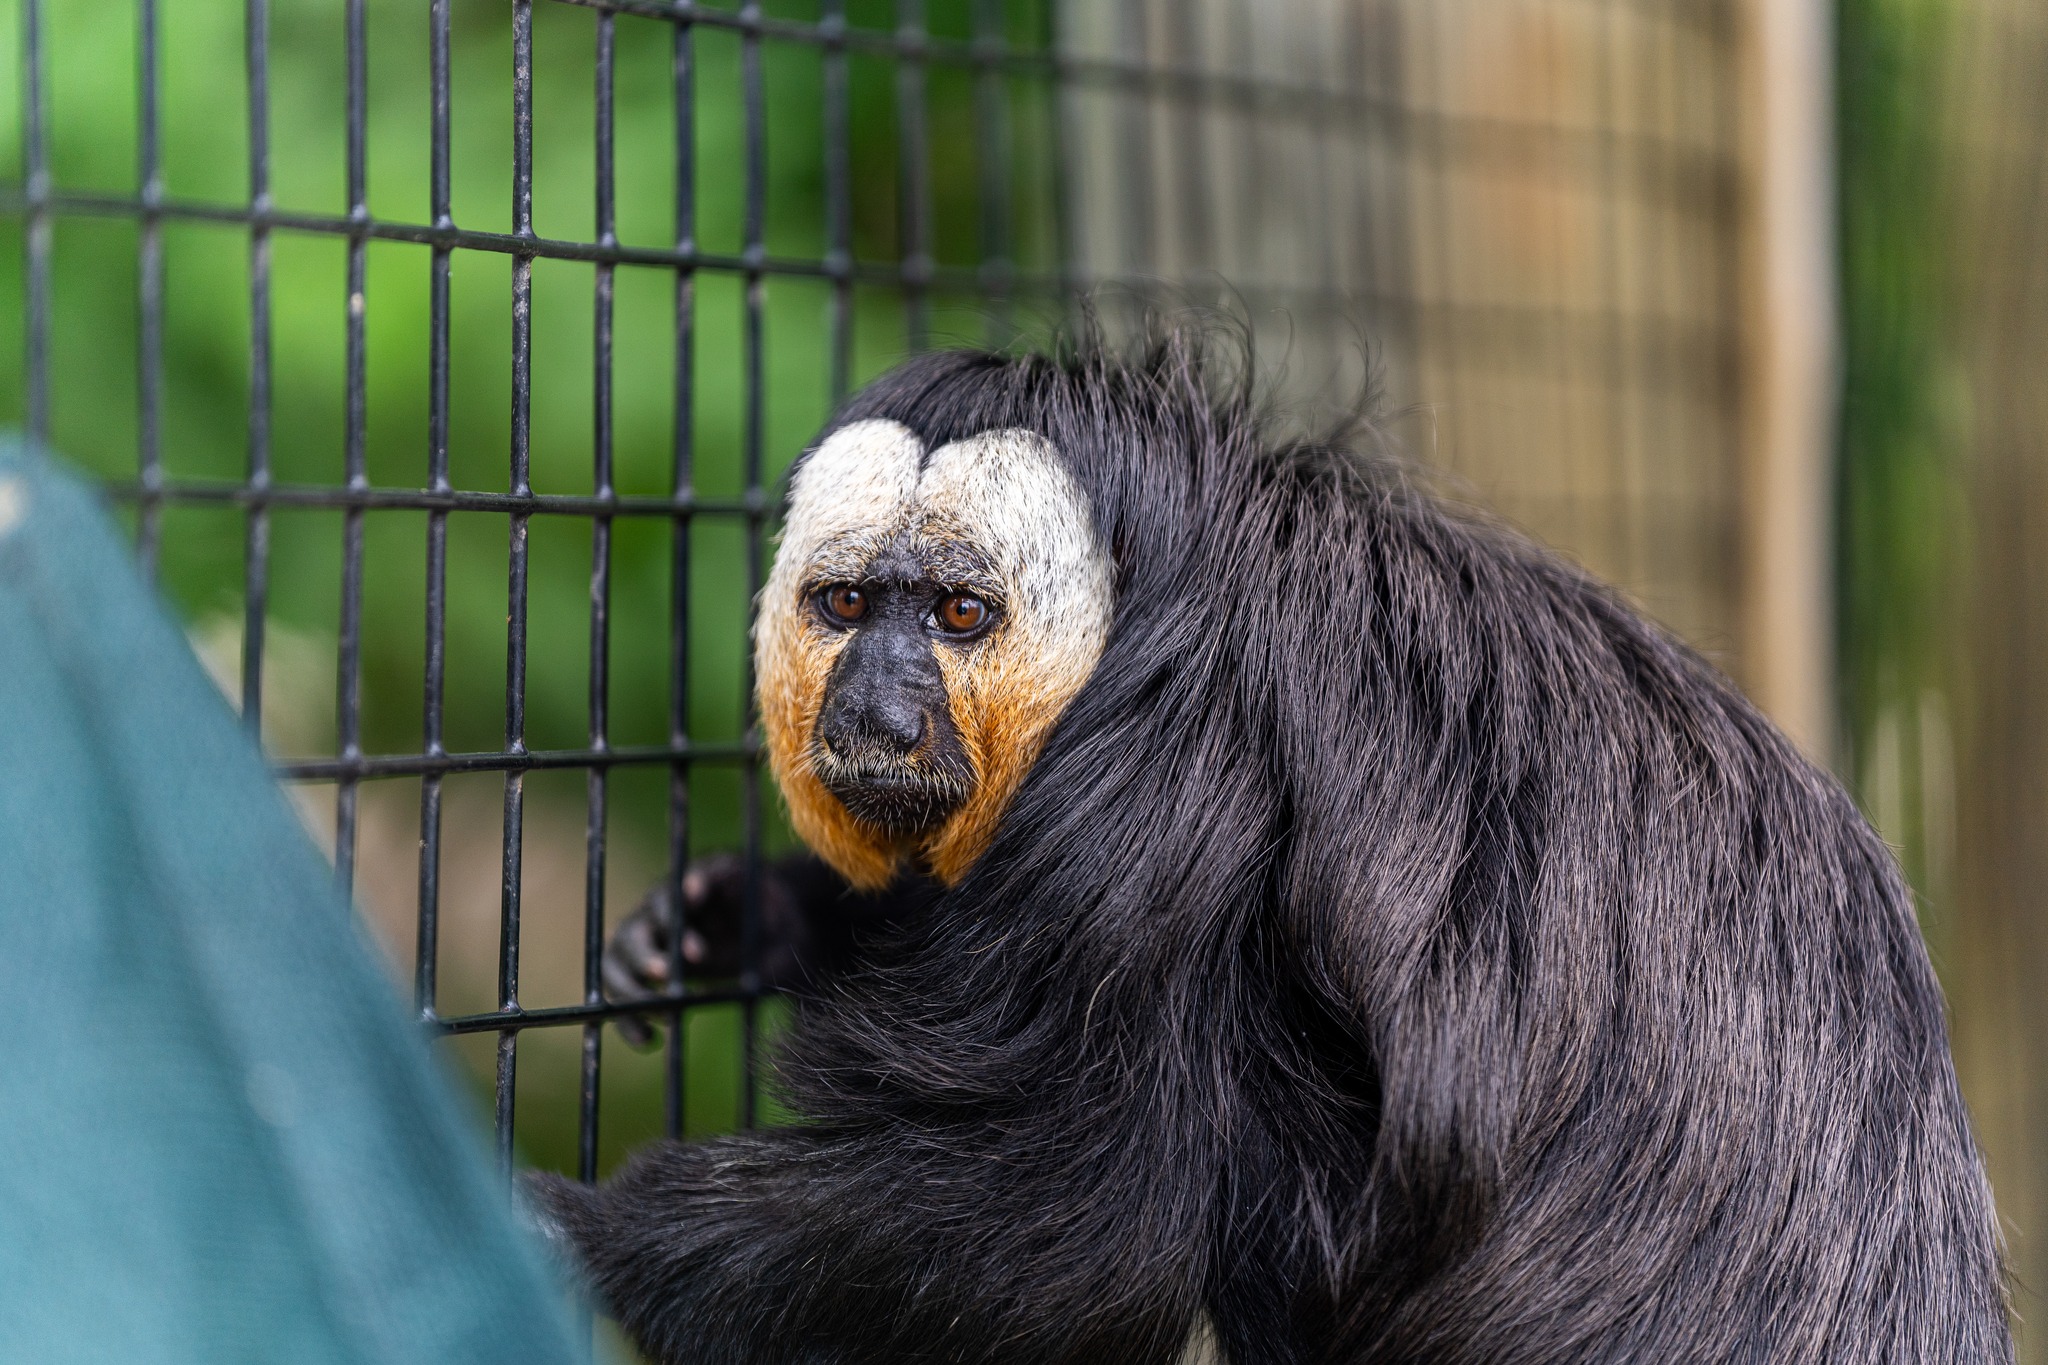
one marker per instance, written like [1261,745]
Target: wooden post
[1790,376]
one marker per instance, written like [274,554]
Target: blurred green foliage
[1900,481]
[90,63]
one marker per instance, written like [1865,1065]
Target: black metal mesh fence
[492,616]
[1530,208]
[988,62]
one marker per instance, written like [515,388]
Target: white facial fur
[1000,502]
[1003,492]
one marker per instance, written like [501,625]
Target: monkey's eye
[961,613]
[844,603]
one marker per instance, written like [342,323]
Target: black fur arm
[802,1246]
[992,1174]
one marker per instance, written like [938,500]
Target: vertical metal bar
[838,195]
[1370,277]
[256,543]
[1395,271]
[992,162]
[1618,339]
[683,72]
[1425,149]
[914,168]
[428,951]
[515,589]
[1560,358]
[1662,434]
[1065,139]
[1727,221]
[754,251]
[1254,189]
[149,288]
[1328,117]
[1141,229]
[1728,214]
[349,648]
[36,172]
[1195,223]
[600,614]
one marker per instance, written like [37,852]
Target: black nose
[881,694]
[891,722]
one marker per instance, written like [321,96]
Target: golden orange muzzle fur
[1006,501]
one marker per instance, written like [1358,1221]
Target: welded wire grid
[39,203]
[1529,208]
[1349,166]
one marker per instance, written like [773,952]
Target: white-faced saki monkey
[1271,907]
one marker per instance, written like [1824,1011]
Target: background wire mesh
[448,359]
[1529,209]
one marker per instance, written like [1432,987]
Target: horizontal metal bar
[502,1021]
[14,200]
[834,32]
[1172,81]
[427,500]
[1710,172]
[507,761]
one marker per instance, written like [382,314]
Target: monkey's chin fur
[898,800]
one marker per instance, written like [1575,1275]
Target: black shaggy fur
[1402,952]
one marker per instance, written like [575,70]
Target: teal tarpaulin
[222,1138]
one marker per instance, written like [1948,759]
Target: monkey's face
[928,617]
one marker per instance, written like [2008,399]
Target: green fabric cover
[222,1138]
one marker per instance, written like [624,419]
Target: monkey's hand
[643,957]
[707,941]
[809,927]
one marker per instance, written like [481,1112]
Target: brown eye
[845,602]
[960,613]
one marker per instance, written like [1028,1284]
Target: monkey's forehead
[1006,494]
